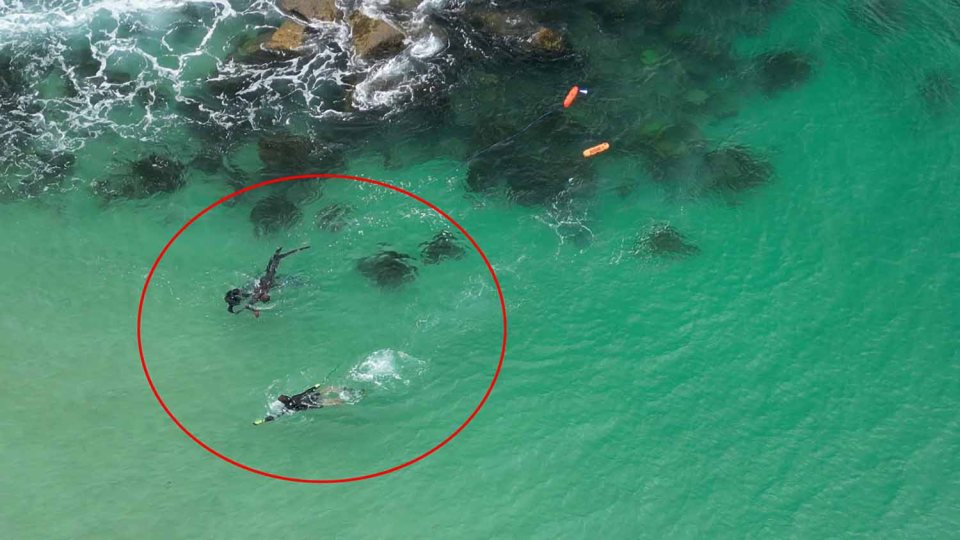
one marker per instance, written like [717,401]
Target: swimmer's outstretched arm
[291,252]
[275,261]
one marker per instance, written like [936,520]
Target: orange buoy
[594,150]
[571,97]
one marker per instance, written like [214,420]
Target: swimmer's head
[264,297]
[233,298]
[283,399]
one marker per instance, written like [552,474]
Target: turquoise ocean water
[797,377]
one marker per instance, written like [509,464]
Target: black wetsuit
[311,398]
[261,288]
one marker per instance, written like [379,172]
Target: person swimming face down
[315,397]
[261,290]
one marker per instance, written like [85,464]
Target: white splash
[386,368]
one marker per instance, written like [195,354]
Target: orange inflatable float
[594,150]
[571,97]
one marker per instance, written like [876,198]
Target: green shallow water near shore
[798,377]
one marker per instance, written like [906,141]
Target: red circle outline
[496,375]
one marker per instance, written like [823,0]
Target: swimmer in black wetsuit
[311,398]
[261,288]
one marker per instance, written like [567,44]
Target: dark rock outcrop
[263,49]
[287,39]
[312,10]
[373,38]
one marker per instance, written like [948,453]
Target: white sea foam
[387,368]
[91,46]
[18,17]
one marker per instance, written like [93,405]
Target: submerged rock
[333,217]
[657,13]
[668,151]
[939,91]
[677,140]
[274,213]
[297,154]
[388,269]
[662,240]
[151,175]
[443,246]
[56,163]
[208,160]
[82,62]
[735,169]
[511,23]
[226,87]
[783,70]
[284,150]
[312,10]
[52,171]
[540,163]
[373,38]
[539,187]
[158,173]
[12,82]
[154,96]
[529,181]
[520,27]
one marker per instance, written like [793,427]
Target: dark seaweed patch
[939,91]
[783,70]
[441,247]
[150,175]
[388,269]
[662,240]
[274,213]
[333,217]
[735,169]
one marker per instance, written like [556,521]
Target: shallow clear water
[797,377]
